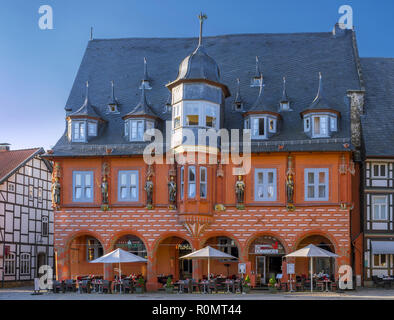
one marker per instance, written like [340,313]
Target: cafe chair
[106,286]
[85,286]
[128,286]
[58,286]
[378,282]
[213,286]
[71,285]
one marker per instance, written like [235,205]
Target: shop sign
[290,268]
[242,268]
[265,249]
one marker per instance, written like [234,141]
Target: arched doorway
[41,261]
[134,245]
[324,265]
[225,267]
[82,250]
[265,254]
[167,259]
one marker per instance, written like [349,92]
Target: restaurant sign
[265,249]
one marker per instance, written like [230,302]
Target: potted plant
[140,286]
[272,285]
[246,284]
[169,285]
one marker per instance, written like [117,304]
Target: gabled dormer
[83,124]
[140,119]
[262,119]
[320,118]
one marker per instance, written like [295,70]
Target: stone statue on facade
[290,188]
[149,193]
[55,189]
[104,190]
[240,192]
[172,192]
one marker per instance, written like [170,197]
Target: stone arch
[307,234]
[254,236]
[115,237]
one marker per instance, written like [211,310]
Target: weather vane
[201,17]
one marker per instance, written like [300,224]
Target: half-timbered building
[26,215]
[377,173]
[300,102]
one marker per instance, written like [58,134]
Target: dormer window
[135,129]
[307,124]
[333,124]
[256,82]
[272,125]
[79,131]
[92,129]
[258,128]
[113,108]
[284,106]
[320,126]
[262,127]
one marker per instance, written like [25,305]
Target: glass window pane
[376,170]
[82,130]
[192,174]
[88,192]
[270,192]
[260,178]
[88,180]
[322,177]
[383,211]
[78,193]
[78,179]
[203,190]
[123,178]
[140,130]
[261,126]
[311,178]
[255,127]
[322,191]
[316,125]
[323,125]
[210,122]
[203,175]
[382,170]
[133,192]
[133,179]
[192,120]
[270,177]
[260,192]
[311,192]
[123,192]
[192,190]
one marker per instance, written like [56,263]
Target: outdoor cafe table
[181,284]
[228,283]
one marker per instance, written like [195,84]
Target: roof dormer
[257,79]
[113,103]
[262,118]
[320,119]
[83,124]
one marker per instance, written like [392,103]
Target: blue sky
[38,67]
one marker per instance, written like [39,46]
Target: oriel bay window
[265,185]
[316,184]
[83,186]
[128,185]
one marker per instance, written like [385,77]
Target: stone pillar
[197,264]
[63,264]
[151,274]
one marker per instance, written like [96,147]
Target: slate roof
[86,110]
[299,57]
[378,118]
[142,108]
[11,161]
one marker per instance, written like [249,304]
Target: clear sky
[38,67]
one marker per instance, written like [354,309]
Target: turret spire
[201,17]
[145,80]
[238,99]
[284,94]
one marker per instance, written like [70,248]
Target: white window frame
[255,130]
[191,183]
[92,128]
[320,134]
[203,183]
[9,264]
[83,186]
[139,130]
[380,265]
[333,124]
[44,226]
[81,126]
[25,264]
[375,204]
[316,184]
[379,176]
[307,124]
[265,185]
[128,186]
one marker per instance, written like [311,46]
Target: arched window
[9,264]
[25,264]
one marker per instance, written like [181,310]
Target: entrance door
[260,269]
[41,261]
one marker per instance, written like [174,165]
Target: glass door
[260,269]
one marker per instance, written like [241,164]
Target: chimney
[4,147]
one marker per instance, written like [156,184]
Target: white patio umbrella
[311,251]
[208,253]
[119,256]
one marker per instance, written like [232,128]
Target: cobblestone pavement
[25,293]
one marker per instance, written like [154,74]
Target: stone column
[151,274]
